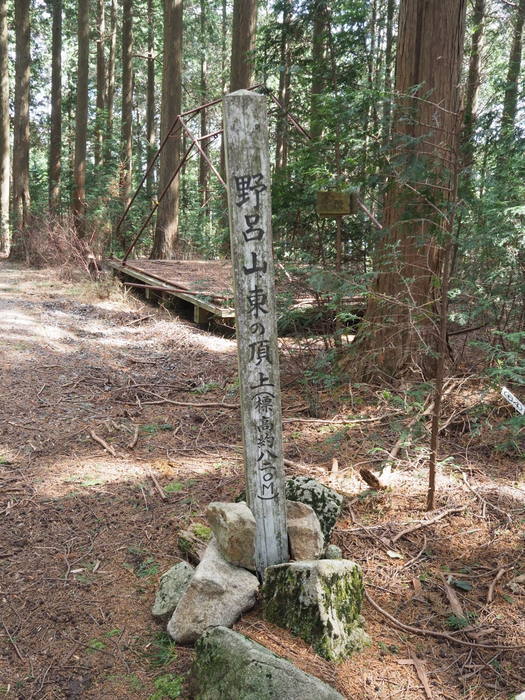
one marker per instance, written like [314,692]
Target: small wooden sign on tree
[248,184]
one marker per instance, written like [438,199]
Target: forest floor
[86,532]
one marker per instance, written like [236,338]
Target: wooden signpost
[249,205]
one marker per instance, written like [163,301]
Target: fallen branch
[159,488]
[102,442]
[216,404]
[490,594]
[335,422]
[434,633]
[418,526]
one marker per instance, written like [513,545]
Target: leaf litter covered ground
[118,426]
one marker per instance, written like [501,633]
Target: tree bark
[281,137]
[319,48]
[150,99]
[510,102]
[203,164]
[126,143]
[81,118]
[55,141]
[110,80]
[101,84]
[387,107]
[398,335]
[21,198]
[166,230]
[5,231]
[472,87]
[243,44]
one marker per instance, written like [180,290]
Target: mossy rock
[319,601]
[229,666]
[326,503]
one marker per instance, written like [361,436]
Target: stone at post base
[233,525]
[326,502]
[229,666]
[172,586]
[319,601]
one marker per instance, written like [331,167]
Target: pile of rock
[318,599]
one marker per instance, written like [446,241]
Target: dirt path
[85,532]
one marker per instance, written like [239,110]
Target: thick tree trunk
[471,93]
[55,141]
[150,99]
[243,43]
[5,231]
[166,230]
[281,136]
[398,334]
[21,199]
[101,83]
[81,118]
[319,44]
[510,102]
[126,144]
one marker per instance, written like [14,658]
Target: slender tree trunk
[510,101]
[472,87]
[126,144]
[389,54]
[224,44]
[5,231]
[55,141]
[281,145]
[319,49]
[110,80]
[398,334]
[150,99]
[21,199]
[101,84]
[203,165]
[81,118]
[166,230]
[243,43]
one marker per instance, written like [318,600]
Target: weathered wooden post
[249,205]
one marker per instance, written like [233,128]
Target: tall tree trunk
[5,231]
[55,141]
[224,51]
[389,53]
[472,87]
[398,334]
[81,118]
[203,164]
[101,84]
[243,44]
[126,144]
[319,50]
[150,99]
[166,230]
[510,102]
[110,79]
[21,199]
[281,140]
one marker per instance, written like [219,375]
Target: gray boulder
[319,601]
[228,666]
[172,585]
[217,594]
[304,531]
[333,552]
[326,503]
[233,525]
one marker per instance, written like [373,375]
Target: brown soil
[85,534]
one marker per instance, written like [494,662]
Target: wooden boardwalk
[206,284]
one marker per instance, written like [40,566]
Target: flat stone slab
[217,594]
[229,666]
[319,601]
[172,585]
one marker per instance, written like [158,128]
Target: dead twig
[102,442]
[484,500]
[421,673]
[435,633]
[157,485]
[212,404]
[490,593]
[13,642]
[450,511]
